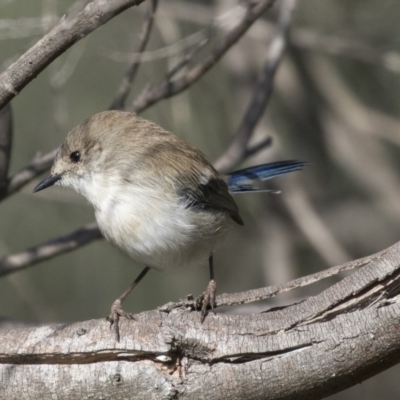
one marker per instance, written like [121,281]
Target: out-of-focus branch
[225,21]
[254,149]
[126,84]
[348,131]
[6,133]
[169,88]
[16,28]
[27,174]
[71,28]
[262,93]
[312,225]
[345,47]
[44,251]
[302,38]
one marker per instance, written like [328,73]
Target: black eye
[75,156]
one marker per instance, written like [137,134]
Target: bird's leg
[116,309]
[208,297]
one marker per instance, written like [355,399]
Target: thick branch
[308,350]
[70,29]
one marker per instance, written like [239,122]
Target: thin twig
[252,150]
[6,134]
[224,21]
[71,29]
[50,249]
[126,84]
[27,174]
[313,227]
[345,47]
[306,39]
[169,88]
[262,93]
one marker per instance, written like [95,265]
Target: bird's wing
[213,194]
[198,184]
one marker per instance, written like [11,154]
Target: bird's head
[76,158]
[110,149]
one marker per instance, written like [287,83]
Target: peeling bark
[309,350]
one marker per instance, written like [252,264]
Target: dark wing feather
[213,195]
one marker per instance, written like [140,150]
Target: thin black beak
[49,181]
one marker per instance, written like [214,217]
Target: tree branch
[71,28]
[251,296]
[262,93]
[169,88]
[307,350]
[126,84]
[63,244]
[27,174]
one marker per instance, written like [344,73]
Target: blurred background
[335,104]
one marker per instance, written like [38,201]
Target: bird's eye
[75,156]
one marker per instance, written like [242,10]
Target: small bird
[155,197]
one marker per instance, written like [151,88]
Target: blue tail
[242,180]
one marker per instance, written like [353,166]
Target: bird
[155,197]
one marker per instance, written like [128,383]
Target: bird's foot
[207,299]
[116,313]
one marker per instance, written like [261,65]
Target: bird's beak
[49,181]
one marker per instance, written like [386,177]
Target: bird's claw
[206,299]
[116,313]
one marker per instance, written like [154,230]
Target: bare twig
[345,47]
[44,251]
[126,84]
[169,88]
[350,141]
[27,174]
[184,61]
[17,28]
[305,39]
[262,93]
[72,28]
[312,225]
[6,133]
[224,21]
[252,150]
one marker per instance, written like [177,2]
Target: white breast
[153,227]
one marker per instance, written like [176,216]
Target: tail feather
[242,180]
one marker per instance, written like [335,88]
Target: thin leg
[117,311]
[208,297]
[211,266]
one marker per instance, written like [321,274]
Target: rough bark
[307,350]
